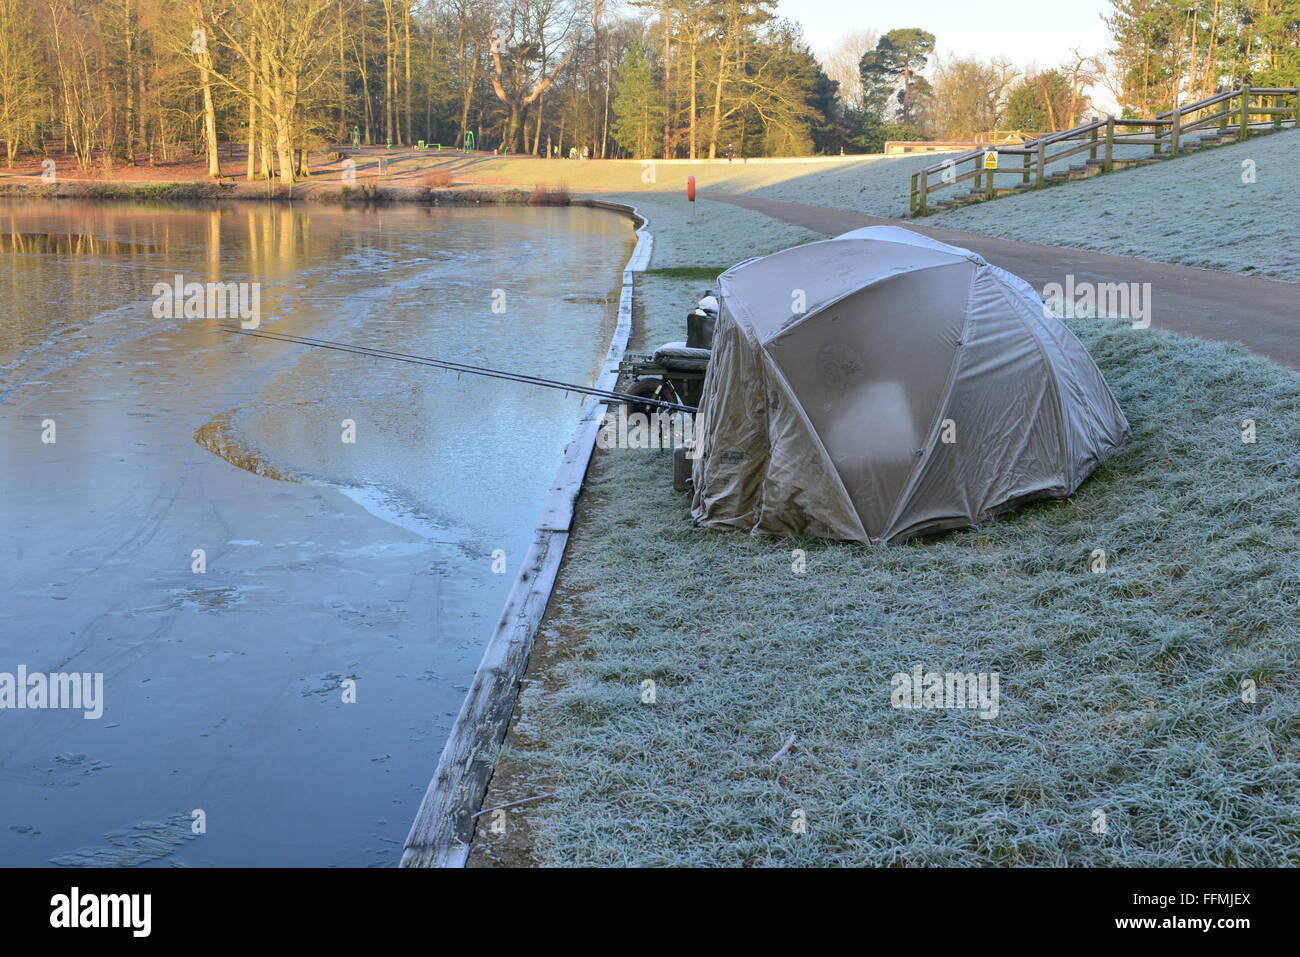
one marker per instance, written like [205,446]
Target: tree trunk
[130,82]
[469,95]
[251,174]
[209,112]
[267,119]
[388,71]
[1206,81]
[341,130]
[604,132]
[145,134]
[717,102]
[511,138]
[537,132]
[283,149]
[694,64]
[406,13]
[668,75]
[365,88]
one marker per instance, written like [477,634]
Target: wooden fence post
[1175,131]
[1042,161]
[924,181]
[911,197]
[1024,178]
[989,189]
[1244,129]
[1277,117]
[1110,142]
[1092,153]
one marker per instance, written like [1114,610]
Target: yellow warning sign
[990,159]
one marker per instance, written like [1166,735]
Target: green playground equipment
[469,141]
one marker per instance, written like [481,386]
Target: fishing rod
[458,367]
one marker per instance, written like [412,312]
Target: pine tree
[889,73]
[638,104]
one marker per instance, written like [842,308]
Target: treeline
[704,76]
[1164,52]
[1169,51]
[139,81]
[149,81]
[894,87]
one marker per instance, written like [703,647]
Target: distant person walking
[731,152]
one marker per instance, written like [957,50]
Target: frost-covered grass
[630,175]
[878,185]
[1195,210]
[713,233]
[873,184]
[1120,690]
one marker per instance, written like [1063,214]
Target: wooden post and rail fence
[1233,113]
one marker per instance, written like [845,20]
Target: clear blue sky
[1026,31]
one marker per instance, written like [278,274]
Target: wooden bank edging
[443,828]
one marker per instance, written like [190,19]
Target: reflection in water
[75,244]
[227,610]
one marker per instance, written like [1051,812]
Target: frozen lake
[330,565]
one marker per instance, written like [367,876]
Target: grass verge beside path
[1194,210]
[1120,691]
[1231,207]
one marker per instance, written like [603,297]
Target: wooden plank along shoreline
[443,828]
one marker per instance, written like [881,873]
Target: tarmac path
[1262,315]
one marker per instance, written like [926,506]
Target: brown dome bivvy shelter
[883,385]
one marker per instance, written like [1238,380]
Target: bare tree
[199,47]
[1082,71]
[78,67]
[842,64]
[20,75]
[969,94]
[279,41]
[516,80]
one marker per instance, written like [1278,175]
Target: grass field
[1121,690]
[1195,210]
[1199,210]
